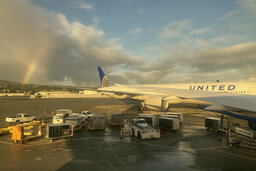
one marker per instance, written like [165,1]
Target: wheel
[34,119]
[139,135]
[17,122]
[132,133]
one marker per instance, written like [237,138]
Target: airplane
[227,98]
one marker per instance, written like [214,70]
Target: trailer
[247,132]
[58,131]
[143,130]
[168,123]
[76,121]
[212,123]
[97,122]
[175,115]
[149,118]
[117,119]
[26,131]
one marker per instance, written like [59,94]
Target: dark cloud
[60,49]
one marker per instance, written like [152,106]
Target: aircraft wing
[244,102]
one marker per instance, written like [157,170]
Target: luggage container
[76,121]
[245,132]
[97,122]
[57,131]
[168,123]
[58,119]
[116,119]
[150,118]
[212,123]
[175,115]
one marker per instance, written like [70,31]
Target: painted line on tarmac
[10,143]
[236,155]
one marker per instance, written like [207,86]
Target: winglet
[103,78]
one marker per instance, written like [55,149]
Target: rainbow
[30,70]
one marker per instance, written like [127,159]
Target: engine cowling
[155,103]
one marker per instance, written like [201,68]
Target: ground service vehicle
[143,130]
[20,118]
[150,118]
[86,114]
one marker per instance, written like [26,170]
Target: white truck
[86,114]
[142,130]
[20,118]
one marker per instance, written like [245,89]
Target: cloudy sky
[134,41]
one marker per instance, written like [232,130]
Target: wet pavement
[190,148]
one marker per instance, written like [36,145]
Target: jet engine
[156,103]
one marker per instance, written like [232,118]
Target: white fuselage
[248,88]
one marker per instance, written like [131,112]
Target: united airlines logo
[105,82]
[213,87]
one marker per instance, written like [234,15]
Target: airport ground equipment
[58,119]
[4,131]
[143,130]
[76,121]
[247,132]
[150,118]
[168,123]
[97,122]
[83,119]
[26,131]
[87,114]
[20,118]
[175,115]
[117,119]
[212,123]
[57,131]
[64,112]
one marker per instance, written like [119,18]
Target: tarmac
[190,148]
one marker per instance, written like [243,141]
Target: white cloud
[85,5]
[175,29]
[248,5]
[137,30]
[228,15]
[201,31]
